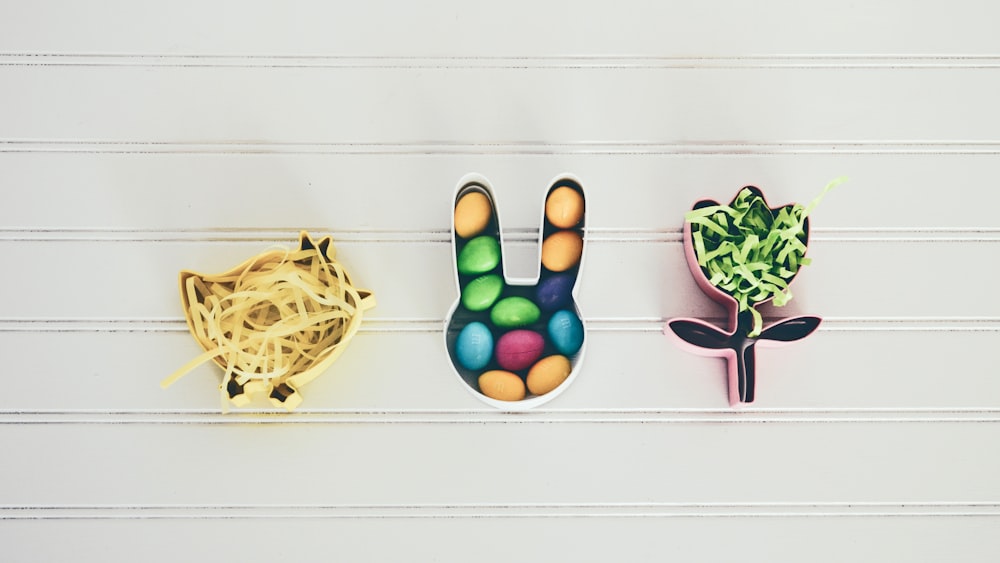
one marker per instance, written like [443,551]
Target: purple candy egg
[519,349]
[555,292]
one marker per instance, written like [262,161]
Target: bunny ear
[563,224]
[323,246]
[790,330]
[476,230]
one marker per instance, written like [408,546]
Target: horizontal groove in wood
[314,417]
[803,61]
[601,235]
[518,510]
[509,147]
[438,236]
[386,325]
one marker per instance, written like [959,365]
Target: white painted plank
[518,28]
[848,278]
[542,539]
[405,105]
[506,463]
[335,191]
[867,374]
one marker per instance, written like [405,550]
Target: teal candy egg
[479,255]
[474,346]
[566,332]
[481,293]
[513,312]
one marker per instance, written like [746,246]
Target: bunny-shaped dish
[516,343]
[737,343]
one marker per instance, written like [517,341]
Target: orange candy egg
[502,385]
[548,373]
[562,250]
[564,207]
[472,214]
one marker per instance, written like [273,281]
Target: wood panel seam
[508,147]
[576,62]
[507,510]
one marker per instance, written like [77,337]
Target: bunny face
[516,344]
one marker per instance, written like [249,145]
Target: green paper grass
[750,252]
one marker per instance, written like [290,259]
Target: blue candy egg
[474,346]
[555,292]
[566,332]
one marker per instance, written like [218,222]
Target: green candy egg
[513,312]
[481,293]
[479,255]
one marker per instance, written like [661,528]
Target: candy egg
[562,250]
[472,214]
[564,207]
[566,332]
[480,255]
[474,346]
[548,373]
[555,291]
[513,312]
[519,349]
[501,385]
[481,293]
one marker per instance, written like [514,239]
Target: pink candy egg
[519,349]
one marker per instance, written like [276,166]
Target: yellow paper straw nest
[273,323]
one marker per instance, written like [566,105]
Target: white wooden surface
[137,139]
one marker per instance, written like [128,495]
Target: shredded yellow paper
[273,323]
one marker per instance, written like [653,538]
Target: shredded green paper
[750,252]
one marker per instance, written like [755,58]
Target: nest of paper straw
[273,323]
